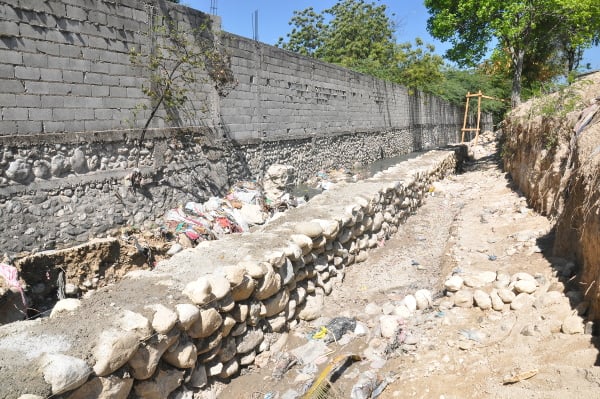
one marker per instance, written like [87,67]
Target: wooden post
[462,138]
[480,94]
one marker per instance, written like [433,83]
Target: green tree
[457,82]
[177,59]
[360,36]
[308,33]
[518,27]
[418,66]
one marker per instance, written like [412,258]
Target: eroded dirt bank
[551,149]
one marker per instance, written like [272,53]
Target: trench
[309,190]
[97,264]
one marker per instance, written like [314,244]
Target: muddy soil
[470,223]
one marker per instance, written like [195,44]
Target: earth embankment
[551,149]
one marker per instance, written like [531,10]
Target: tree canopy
[360,35]
[533,33]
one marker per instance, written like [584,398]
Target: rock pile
[500,292]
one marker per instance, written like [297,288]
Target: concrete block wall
[65,64]
[209,311]
[283,95]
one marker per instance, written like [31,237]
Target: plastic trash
[322,333]
[338,326]
[11,276]
[364,387]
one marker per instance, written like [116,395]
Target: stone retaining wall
[209,311]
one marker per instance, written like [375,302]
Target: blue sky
[274,15]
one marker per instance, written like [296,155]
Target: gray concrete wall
[70,136]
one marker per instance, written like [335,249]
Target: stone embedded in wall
[18,170]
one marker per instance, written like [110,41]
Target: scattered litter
[285,362]
[244,206]
[290,394]
[11,275]
[473,335]
[381,387]
[322,333]
[310,351]
[338,326]
[492,257]
[364,387]
[414,262]
[516,377]
[323,384]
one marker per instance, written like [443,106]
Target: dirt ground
[470,223]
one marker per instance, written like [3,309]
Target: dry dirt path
[470,225]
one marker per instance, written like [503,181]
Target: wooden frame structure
[464,129]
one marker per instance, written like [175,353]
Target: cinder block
[118,69]
[95,16]
[46,88]
[92,78]
[110,80]
[75,126]
[15,114]
[81,89]
[76,13]
[134,92]
[57,8]
[91,102]
[52,75]
[7,71]
[11,86]
[58,63]
[70,50]
[113,21]
[11,57]
[24,72]
[72,76]
[118,46]
[53,101]
[128,81]
[28,100]
[98,125]
[8,128]
[29,127]
[9,12]
[116,91]
[100,67]
[10,28]
[37,60]
[60,36]
[36,114]
[96,42]
[73,101]
[100,91]
[7,100]
[63,114]
[79,65]
[34,32]
[54,126]
[104,113]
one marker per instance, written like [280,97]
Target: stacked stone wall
[212,310]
